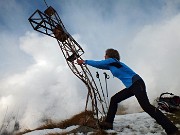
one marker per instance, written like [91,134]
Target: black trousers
[138,89]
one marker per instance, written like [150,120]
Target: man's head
[112,53]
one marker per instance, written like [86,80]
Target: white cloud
[156,52]
[46,89]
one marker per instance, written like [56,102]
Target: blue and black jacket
[117,68]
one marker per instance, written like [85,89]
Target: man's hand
[80,62]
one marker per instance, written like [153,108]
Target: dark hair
[112,53]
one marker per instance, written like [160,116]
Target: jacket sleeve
[103,64]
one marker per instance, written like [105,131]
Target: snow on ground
[137,124]
[129,124]
[55,130]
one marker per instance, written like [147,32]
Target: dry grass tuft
[85,119]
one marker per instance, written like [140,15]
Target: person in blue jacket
[135,86]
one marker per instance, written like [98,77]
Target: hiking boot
[175,133]
[105,125]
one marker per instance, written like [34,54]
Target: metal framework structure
[49,23]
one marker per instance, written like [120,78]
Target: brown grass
[175,117]
[85,119]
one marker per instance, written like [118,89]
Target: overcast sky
[35,81]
